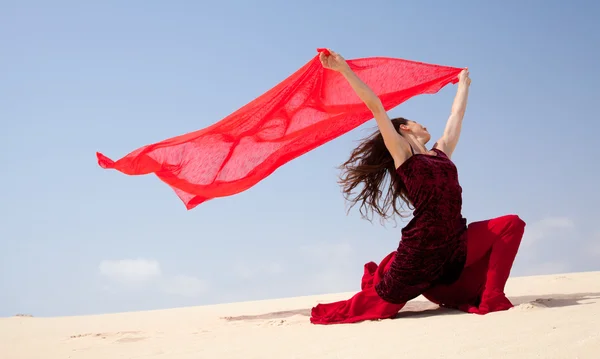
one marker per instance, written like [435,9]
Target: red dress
[433,248]
[432,251]
[439,256]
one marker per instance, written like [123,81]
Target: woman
[441,257]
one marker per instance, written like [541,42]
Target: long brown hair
[368,166]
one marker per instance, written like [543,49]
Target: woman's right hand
[333,61]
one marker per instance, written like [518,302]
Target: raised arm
[447,143]
[394,142]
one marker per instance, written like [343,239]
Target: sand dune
[556,316]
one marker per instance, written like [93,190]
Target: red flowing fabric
[364,305]
[492,244]
[309,108]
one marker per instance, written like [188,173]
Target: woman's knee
[512,228]
[513,220]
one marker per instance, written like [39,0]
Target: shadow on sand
[422,309]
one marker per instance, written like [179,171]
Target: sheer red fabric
[309,108]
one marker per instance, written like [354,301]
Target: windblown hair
[368,166]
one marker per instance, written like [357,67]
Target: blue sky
[79,77]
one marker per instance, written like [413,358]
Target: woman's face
[418,130]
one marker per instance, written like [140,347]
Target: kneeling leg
[492,247]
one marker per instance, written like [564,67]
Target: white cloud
[544,228]
[337,267]
[545,268]
[130,270]
[185,286]
[247,271]
[593,249]
[333,252]
[131,273]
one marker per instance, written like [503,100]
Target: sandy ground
[556,316]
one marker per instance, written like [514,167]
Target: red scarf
[311,107]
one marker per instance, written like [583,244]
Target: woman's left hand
[333,61]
